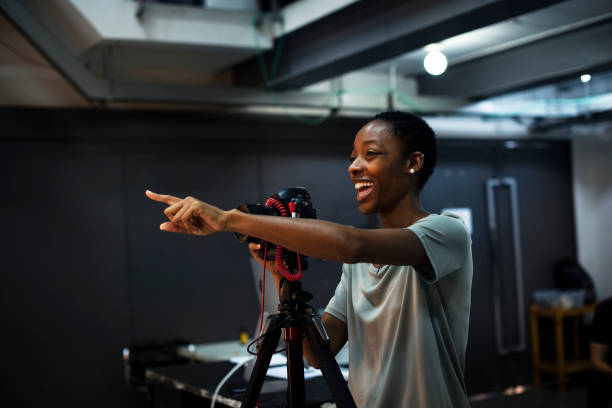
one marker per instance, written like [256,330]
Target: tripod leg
[266,350]
[319,344]
[296,394]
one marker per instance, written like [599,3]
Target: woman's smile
[364,189]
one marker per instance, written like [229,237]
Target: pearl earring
[411,171]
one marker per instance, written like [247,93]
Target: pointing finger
[162,198]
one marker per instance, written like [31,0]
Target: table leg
[576,336]
[535,347]
[560,349]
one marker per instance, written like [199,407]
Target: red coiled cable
[272,202]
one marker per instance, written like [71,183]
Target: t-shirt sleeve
[602,323]
[447,243]
[337,306]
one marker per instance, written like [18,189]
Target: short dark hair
[417,136]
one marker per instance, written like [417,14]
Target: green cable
[275,63]
[403,98]
[260,61]
[279,49]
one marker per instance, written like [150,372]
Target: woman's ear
[415,162]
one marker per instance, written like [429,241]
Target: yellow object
[244,337]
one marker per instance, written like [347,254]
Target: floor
[549,396]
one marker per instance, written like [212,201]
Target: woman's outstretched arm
[315,238]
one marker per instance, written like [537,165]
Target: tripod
[298,319]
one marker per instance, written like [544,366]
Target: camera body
[289,202]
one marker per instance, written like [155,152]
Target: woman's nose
[355,166]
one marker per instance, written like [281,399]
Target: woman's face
[378,168]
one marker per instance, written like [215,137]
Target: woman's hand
[257,252]
[189,215]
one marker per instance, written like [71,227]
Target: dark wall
[86,270]
[64,294]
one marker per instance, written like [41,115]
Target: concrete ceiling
[27,78]
[329,55]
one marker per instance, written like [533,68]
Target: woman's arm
[311,237]
[335,242]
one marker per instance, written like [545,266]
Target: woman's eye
[352,159]
[372,153]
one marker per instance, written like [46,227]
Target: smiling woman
[403,300]
[388,155]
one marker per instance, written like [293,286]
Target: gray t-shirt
[408,328]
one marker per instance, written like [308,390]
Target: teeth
[363,184]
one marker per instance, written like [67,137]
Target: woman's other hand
[189,215]
[257,250]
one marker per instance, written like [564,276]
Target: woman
[403,300]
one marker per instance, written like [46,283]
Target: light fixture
[585,78]
[435,62]
[510,144]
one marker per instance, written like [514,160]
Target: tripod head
[292,293]
[292,297]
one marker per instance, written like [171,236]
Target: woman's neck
[407,212]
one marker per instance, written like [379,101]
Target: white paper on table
[240,360]
[281,372]
[277,360]
[278,367]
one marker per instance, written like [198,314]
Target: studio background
[87,271]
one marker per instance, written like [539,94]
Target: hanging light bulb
[585,78]
[435,62]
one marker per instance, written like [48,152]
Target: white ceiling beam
[304,12]
[172,24]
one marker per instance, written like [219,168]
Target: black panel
[86,269]
[505,264]
[183,286]
[63,292]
